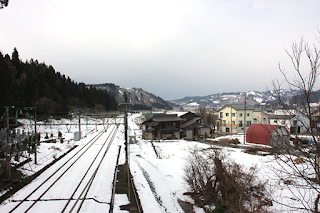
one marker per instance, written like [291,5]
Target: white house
[294,120]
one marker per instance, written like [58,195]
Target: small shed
[271,135]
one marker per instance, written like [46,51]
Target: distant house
[260,117]
[294,120]
[146,117]
[316,121]
[204,130]
[234,118]
[161,126]
[190,125]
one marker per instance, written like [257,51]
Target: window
[248,123]
[227,114]
[248,114]
[264,119]
[224,122]
[275,121]
[233,122]
[221,114]
[240,123]
[240,114]
[170,125]
[233,114]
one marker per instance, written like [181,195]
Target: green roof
[149,116]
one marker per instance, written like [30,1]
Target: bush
[235,141]
[220,207]
[229,141]
[213,179]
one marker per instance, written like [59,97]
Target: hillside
[138,97]
[34,84]
[216,101]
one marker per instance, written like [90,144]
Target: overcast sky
[171,48]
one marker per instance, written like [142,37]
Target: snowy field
[158,180]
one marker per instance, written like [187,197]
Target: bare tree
[213,178]
[207,116]
[3,3]
[298,164]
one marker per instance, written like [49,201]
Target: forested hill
[139,98]
[34,84]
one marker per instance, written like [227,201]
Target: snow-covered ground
[158,180]
[57,196]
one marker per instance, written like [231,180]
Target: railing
[229,125]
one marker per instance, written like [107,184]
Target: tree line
[30,83]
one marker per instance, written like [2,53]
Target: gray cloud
[170,48]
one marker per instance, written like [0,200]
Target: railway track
[96,150]
[84,192]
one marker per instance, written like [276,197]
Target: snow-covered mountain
[145,100]
[137,96]
[216,101]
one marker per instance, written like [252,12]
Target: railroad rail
[64,168]
[86,189]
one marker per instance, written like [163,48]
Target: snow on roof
[179,114]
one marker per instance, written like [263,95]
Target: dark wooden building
[190,125]
[162,126]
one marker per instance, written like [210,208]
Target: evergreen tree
[36,84]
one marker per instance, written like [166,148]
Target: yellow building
[260,117]
[234,118]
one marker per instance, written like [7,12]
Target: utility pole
[126,131]
[126,126]
[126,141]
[17,116]
[79,125]
[8,155]
[35,132]
[245,114]
[231,118]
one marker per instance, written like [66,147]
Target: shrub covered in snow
[219,184]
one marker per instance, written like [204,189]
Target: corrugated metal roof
[239,107]
[165,117]
[189,122]
[190,115]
